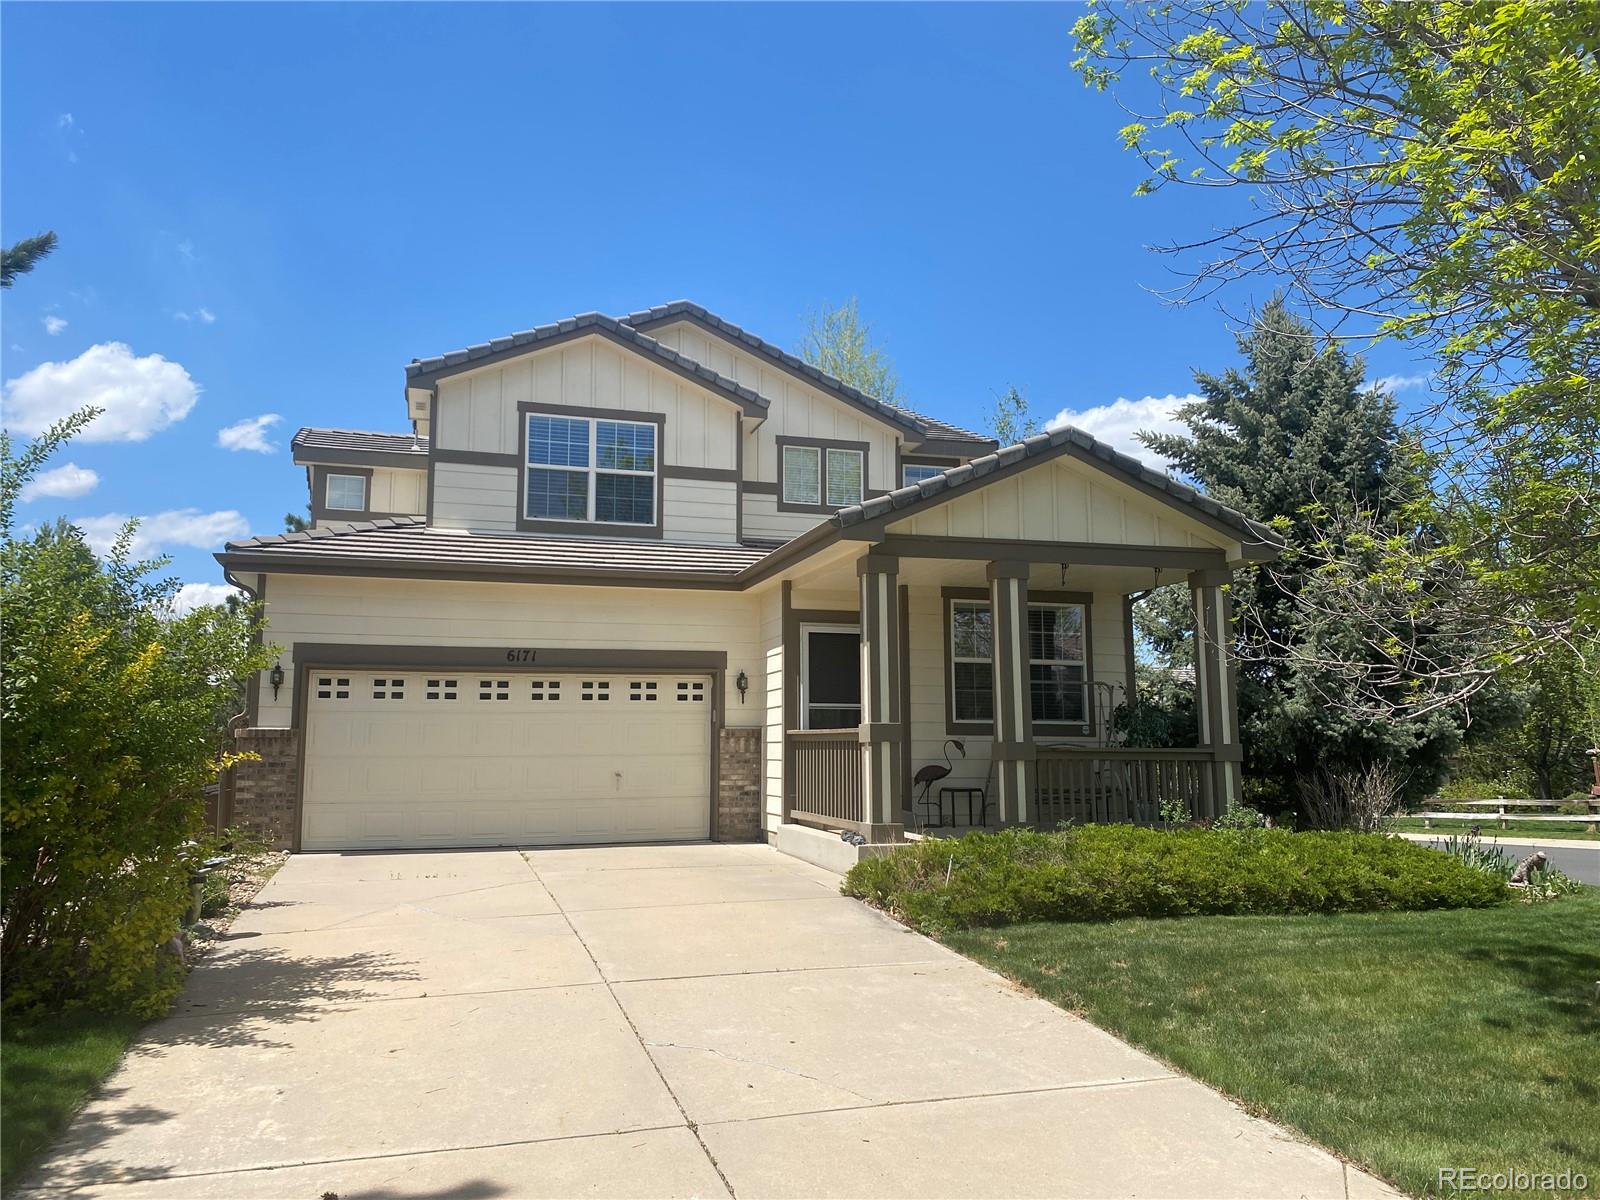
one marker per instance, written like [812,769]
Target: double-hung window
[821,476]
[1057,663]
[347,493]
[590,469]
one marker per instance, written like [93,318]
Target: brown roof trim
[421,372]
[359,448]
[1260,542]
[702,318]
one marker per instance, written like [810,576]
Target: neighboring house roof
[405,545]
[342,445]
[678,310]
[438,366]
[1065,440]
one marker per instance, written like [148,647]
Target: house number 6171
[521,655]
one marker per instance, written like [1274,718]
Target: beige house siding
[700,510]
[472,496]
[772,693]
[763,520]
[798,409]
[1062,501]
[399,491]
[313,608]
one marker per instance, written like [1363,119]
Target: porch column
[883,785]
[1013,700]
[1216,686]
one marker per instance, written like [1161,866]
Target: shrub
[110,704]
[1102,872]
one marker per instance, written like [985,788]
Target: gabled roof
[356,445]
[420,371]
[1066,440]
[406,546]
[679,310]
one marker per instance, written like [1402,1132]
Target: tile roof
[1034,447]
[408,542]
[617,329]
[357,439]
[929,426]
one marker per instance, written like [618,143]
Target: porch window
[831,676]
[583,469]
[1057,663]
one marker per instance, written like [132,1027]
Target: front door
[830,677]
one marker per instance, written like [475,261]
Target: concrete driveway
[698,1020]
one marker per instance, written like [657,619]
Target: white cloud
[1397,383]
[54,324]
[194,595]
[186,249]
[140,395]
[204,315]
[65,121]
[1118,422]
[69,480]
[249,434]
[176,527]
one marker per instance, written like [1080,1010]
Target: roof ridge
[1031,447]
[621,329]
[771,350]
[329,530]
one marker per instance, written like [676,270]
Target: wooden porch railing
[827,778]
[1119,784]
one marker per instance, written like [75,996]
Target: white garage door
[404,758]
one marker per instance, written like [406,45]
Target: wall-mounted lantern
[742,682]
[275,678]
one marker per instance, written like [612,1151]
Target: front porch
[893,750]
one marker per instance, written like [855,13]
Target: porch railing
[827,778]
[1099,784]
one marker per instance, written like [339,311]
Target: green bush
[1101,872]
[111,706]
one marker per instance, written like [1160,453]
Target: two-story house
[650,577]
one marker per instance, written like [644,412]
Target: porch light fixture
[275,678]
[742,682]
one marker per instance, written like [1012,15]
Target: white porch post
[1216,686]
[1014,752]
[883,786]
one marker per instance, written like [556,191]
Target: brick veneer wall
[261,794]
[739,785]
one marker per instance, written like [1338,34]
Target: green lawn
[48,1067]
[1574,828]
[1403,1041]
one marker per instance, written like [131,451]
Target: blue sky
[269,209]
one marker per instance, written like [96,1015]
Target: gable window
[348,493]
[821,476]
[1058,670]
[911,473]
[591,469]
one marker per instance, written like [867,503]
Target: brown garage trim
[332,656]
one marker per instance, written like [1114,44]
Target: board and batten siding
[315,608]
[395,491]
[798,409]
[1062,501]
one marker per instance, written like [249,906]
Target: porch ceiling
[839,571]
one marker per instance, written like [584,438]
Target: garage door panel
[402,759]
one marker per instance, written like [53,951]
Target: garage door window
[388,688]
[545,690]
[333,687]
[596,689]
[441,689]
[494,689]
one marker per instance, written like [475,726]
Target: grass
[1404,1041]
[48,1068]
[1574,828]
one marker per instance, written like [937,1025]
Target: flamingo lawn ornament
[933,772]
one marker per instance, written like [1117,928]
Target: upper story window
[821,476]
[348,493]
[590,469]
[1057,663]
[911,473]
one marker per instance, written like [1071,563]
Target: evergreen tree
[1293,435]
[24,256]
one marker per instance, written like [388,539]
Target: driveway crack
[756,1062]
